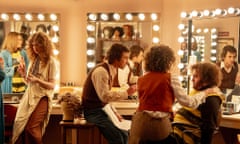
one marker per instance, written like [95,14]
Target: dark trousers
[106,126]
[32,133]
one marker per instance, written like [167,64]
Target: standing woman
[34,109]
[13,56]
[2,75]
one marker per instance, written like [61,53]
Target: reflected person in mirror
[229,68]
[129,74]
[157,91]
[97,93]
[13,56]
[34,109]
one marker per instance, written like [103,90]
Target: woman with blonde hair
[13,56]
[34,109]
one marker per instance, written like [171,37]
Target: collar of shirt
[222,65]
[131,64]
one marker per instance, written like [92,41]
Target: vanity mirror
[211,30]
[104,29]
[29,23]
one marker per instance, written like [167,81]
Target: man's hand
[132,89]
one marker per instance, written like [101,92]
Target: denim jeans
[113,134]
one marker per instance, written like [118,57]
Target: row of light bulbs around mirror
[199,31]
[123,16]
[29,17]
[94,17]
[35,17]
[231,11]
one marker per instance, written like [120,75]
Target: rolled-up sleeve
[182,97]
[100,79]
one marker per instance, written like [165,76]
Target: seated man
[129,74]
[204,75]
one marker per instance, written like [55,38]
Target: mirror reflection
[15,29]
[105,29]
[210,30]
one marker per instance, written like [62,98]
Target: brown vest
[228,80]
[90,99]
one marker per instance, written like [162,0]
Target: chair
[9,116]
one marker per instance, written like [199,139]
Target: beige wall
[73,23]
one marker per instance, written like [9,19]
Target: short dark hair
[115,52]
[159,59]
[228,48]
[135,51]
[210,73]
[119,29]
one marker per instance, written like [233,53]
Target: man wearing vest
[97,93]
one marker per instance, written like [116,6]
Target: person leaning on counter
[97,93]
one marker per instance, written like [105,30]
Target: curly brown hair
[45,47]
[159,59]
[209,73]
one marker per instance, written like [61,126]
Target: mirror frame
[94,34]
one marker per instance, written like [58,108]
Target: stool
[81,133]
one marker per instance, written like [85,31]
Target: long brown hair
[45,47]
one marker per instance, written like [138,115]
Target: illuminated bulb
[92,17]
[41,17]
[214,36]
[181,39]
[213,30]
[90,27]
[199,30]
[213,58]
[180,52]
[154,16]
[91,64]
[206,12]
[156,27]
[213,51]
[4,17]
[184,14]
[55,52]
[91,40]
[16,17]
[181,78]
[55,39]
[231,10]
[180,65]
[155,40]
[214,43]
[104,17]
[181,26]
[141,16]
[206,30]
[53,17]
[90,52]
[116,16]
[55,28]
[28,17]
[129,16]
[194,13]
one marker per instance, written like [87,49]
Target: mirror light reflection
[29,23]
[208,28]
[100,26]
